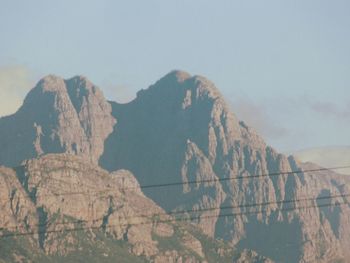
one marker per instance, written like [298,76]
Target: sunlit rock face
[54,202]
[57,116]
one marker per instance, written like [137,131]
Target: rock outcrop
[56,201]
[58,116]
[181,130]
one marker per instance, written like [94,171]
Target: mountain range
[172,176]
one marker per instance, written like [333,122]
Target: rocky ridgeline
[181,130]
[49,196]
[58,116]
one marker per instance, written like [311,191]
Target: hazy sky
[283,65]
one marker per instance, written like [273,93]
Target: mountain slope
[61,207]
[57,116]
[180,130]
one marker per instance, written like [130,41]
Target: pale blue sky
[283,65]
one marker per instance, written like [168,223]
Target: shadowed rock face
[181,130]
[57,116]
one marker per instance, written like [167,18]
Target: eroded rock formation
[57,199]
[57,116]
[181,130]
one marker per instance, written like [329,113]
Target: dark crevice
[21,175]
[20,172]
[109,212]
[125,235]
[14,210]
[284,244]
[331,214]
[42,226]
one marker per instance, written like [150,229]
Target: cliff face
[57,116]
[181,130]
[61,205]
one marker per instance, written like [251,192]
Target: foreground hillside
[61,208]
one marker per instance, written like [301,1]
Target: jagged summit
[54,83]
[81,82]
[58,116]
[178,75]
[178,83]
[49,83]
[80,78]
[50,77]
[180,129]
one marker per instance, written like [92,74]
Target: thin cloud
[256,115]
[327,157]
[15,82]
[331,109]
[119,93]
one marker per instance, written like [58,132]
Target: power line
[190,182]
[214,208]
[259,204]
[169,213]
[169,220]
[244,177]
[197,211]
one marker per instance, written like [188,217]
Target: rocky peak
[80,86]
[51,83]
[181,82]
[190,133]
[58,116]
[83,80]
[76,88]
[176,75]
[44,92]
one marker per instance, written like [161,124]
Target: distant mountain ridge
[179,130]
[331,156]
